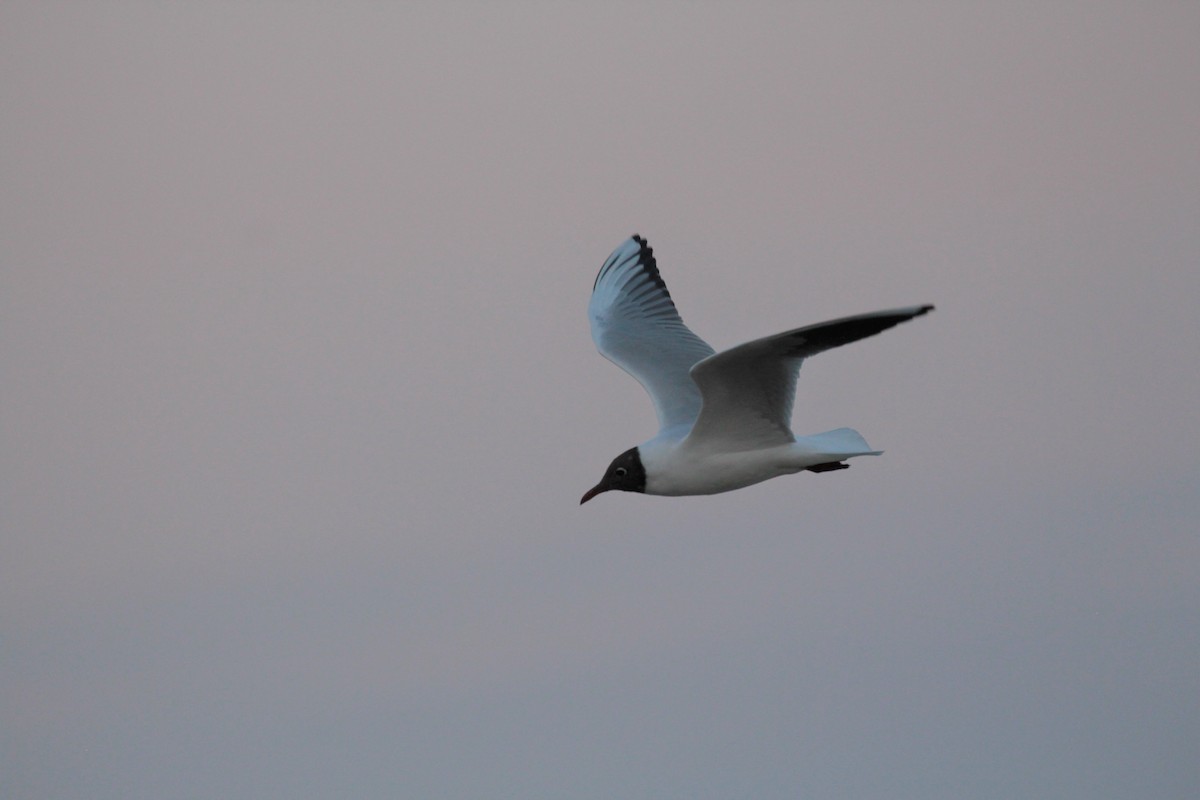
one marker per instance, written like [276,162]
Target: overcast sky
[299,399]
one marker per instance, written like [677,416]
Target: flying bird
[723,418]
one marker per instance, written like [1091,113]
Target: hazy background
[299,401]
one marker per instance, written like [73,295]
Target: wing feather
[749,390]
[635,325]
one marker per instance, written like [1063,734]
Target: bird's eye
[620,472]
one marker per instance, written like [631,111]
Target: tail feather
[824,452]
[841,442]
[834,445]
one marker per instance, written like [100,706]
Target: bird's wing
[748,390]
[635,326]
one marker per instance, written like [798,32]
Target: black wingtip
[646,258]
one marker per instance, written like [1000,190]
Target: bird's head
[625,473]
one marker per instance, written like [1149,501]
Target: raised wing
[748,390]
[635,326]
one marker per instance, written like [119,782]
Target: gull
[723,418]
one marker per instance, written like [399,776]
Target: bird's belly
[688,474]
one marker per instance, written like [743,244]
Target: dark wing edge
[645,259]
[813,339]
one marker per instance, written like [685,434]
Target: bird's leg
[828,466]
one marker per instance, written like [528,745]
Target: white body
[677,466]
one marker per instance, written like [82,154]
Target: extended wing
[748,390]
[635,326]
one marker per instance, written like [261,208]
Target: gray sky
[299,401]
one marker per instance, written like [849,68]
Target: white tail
[836,444]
